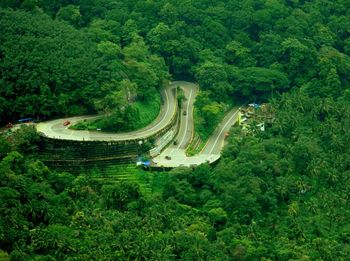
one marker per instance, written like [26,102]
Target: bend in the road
[211,152]
[55,129]
[222,130]
[167,109]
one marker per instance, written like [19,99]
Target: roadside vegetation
[180,95]
[141,114]
[206,116]
[151,182]
[278,194]
[64,70]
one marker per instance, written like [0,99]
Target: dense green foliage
[281,194]
[50,68]
[139,114]
[207,114]
[95,50]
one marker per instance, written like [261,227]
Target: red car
[66,123]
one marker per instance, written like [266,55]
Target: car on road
[184,113]
[66,123]
[168,157]
[175,142]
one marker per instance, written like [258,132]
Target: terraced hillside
[78,156]
[150,182]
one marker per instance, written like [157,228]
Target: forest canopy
[49,68]
[86,48]
[278,194]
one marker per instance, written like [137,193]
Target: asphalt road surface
[210,153]
[186,128]
[175,155]
[176,152]
[216,141]
[55,128]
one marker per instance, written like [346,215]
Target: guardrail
[113,149]
[155,135]
[166,139]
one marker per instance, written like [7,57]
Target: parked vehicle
[25,120]
[66,123]
[168,157]
[184,113]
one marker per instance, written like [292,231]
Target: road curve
[210,153]
[55,129]
[212,149]
[216,141]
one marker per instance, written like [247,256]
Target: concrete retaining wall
[61,153]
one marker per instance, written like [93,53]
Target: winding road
[55,129]
[210,153]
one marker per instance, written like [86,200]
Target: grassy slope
[151,182]
[148,112]
[202,132]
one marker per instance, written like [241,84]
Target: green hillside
[281,193]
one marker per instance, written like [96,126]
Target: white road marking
[50,129]
[223,128]
[178,157]
[186,124]
[187,108]
[166,113]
